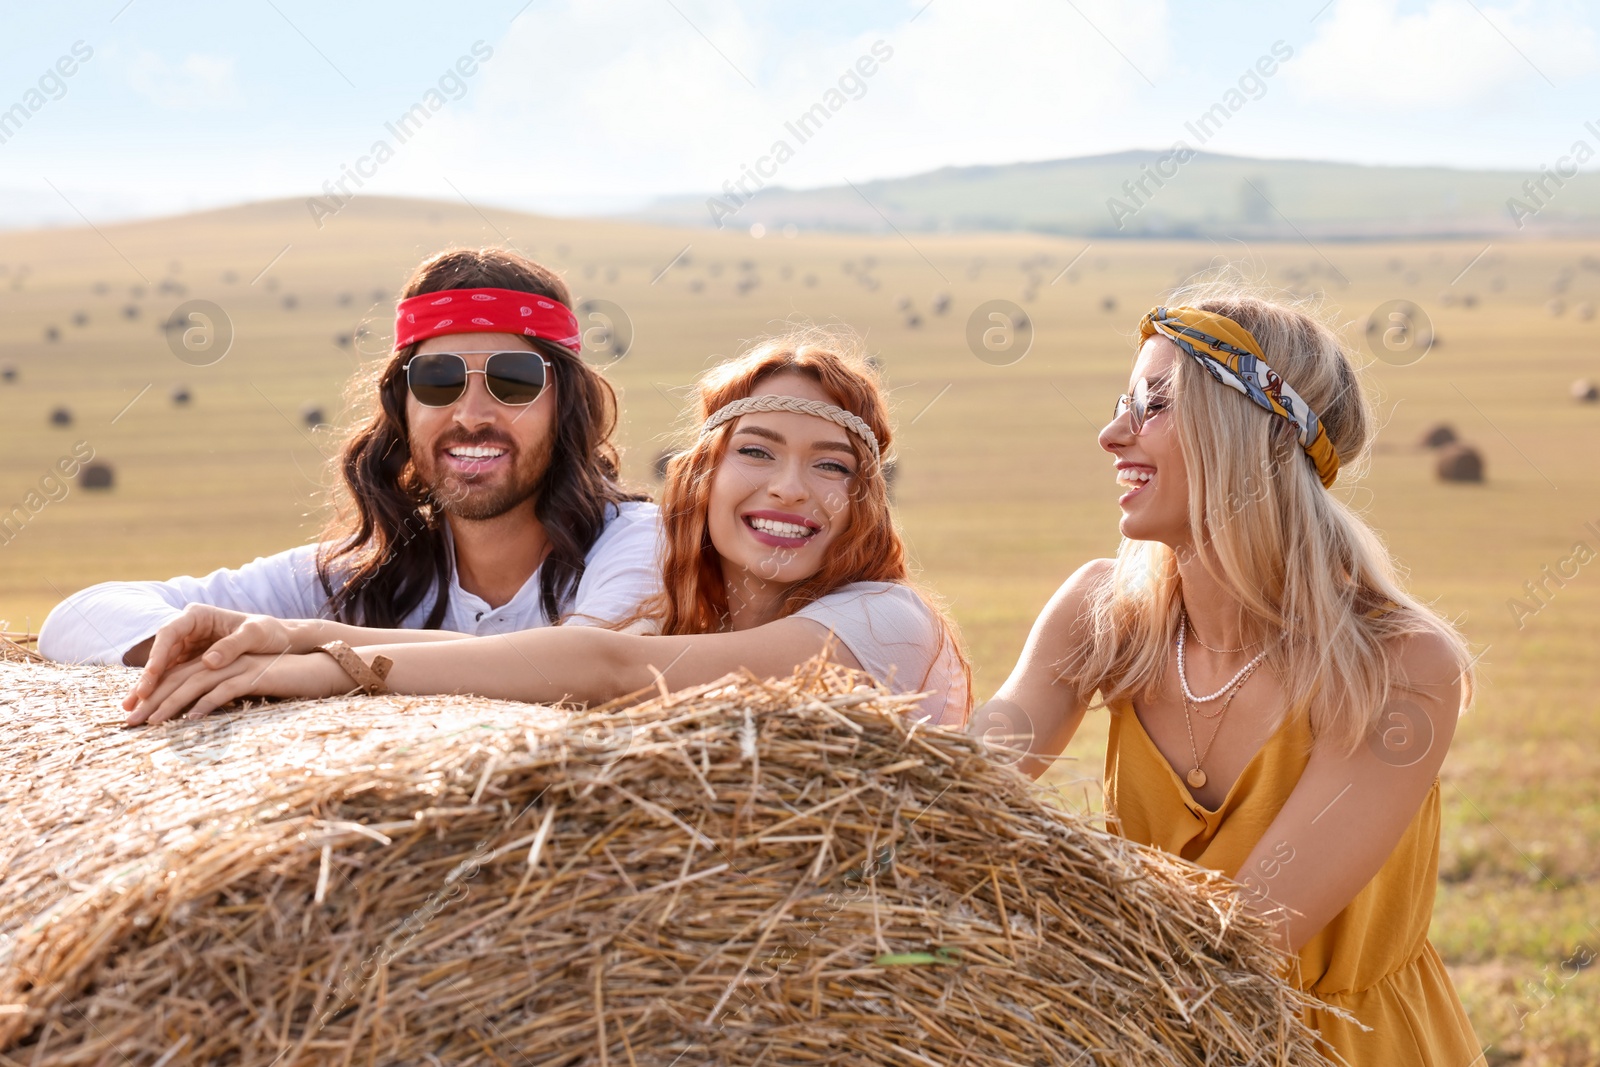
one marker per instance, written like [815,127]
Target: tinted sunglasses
[439,379]
[1141,403]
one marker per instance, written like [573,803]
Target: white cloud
[628,97]
[197,83]
[1451,53]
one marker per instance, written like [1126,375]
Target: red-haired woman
[776,531]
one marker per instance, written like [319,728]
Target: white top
[898,640]
[99,624]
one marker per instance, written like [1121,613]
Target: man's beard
[466,497]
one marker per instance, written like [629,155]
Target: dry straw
[783,872]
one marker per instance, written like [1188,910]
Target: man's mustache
[489,440]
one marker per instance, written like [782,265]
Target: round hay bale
[789,871]
[1583,391]
[313,416]
[8,373]
[52,334]
[130,312]
[1460,463]
[96,475]
[1108,303]
[913,321]
[80,319]
[180,395]
[61,416]
[1438,435]
[941,303]
[290,302]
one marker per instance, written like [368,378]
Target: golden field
[1002,490]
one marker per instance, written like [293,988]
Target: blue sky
[594,106]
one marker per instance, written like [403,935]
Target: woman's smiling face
[781,493]
[1150,464]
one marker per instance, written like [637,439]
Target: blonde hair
[1298,560]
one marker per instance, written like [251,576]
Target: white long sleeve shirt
[99,624]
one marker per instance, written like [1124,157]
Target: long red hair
[694,598]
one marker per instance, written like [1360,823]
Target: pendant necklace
[1197,777]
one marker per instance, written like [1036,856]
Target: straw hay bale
[788,872]
[1439,435]
[1459,463]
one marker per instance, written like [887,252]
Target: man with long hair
[481,496]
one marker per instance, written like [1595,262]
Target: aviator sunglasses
[439,379]
[1141,403]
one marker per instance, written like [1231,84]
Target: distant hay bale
[61,416]
[789,871]
[345,298]
[1460,463]
[1585,391]
[8,373]
[697,286]
[1438,435]
[52,333]
[290,302]
[810,281]
[902,302]
[180,395]
[130,312]
[313,416]
[343,340]
[96,475]
[80,319]
[1108,303]
[913,321]
[941,303]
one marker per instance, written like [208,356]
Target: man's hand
[202,689]
[221,635]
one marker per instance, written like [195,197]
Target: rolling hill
[1159,194]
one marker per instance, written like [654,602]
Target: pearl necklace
[1183,677]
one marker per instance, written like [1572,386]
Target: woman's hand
[223,636]
[202,689]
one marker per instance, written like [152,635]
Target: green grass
[1002,490]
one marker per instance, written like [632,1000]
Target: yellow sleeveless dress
[1374,959]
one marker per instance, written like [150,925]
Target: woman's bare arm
[1034,710]
[1348,812]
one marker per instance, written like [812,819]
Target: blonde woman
[1280,705]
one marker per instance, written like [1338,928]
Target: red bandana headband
[418,318]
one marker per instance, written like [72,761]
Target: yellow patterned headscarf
[1233,357]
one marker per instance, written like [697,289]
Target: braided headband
[1233,357]
[418,318]
[771,402]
